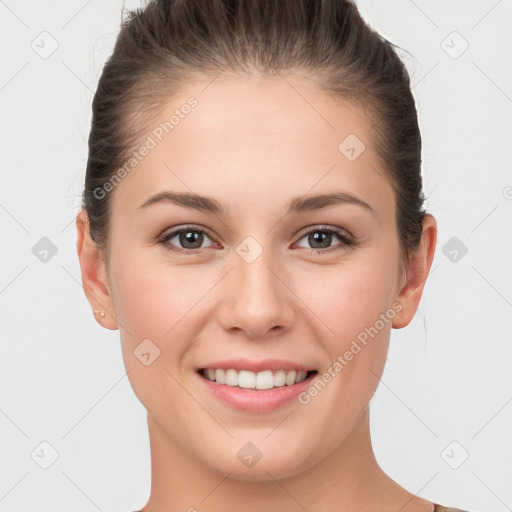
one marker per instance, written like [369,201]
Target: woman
[252,222]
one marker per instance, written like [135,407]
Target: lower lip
[256,400]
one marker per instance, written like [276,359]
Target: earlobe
[94,275]
[417,273]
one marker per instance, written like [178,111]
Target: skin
[251,138]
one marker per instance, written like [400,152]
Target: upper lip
[257,366]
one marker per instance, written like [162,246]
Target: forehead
[246,139]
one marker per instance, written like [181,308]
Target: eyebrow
[301,204]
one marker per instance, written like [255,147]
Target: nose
[256,298]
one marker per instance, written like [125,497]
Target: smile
[245,379]
[256,392]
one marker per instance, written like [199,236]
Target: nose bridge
[257,300]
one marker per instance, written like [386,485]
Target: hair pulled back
[167,42]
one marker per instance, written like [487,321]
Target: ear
[416,274]
[94,274]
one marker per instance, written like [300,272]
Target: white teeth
[219,376]
[290,377]
[246,379]
[267,379]
[280,378]
[231,378]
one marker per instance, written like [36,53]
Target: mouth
[249,380]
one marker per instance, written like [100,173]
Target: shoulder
[440,508]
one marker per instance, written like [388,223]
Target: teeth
[279,378]
[231,378]
[245,379]
[290,377]
[267,379]
[219,376]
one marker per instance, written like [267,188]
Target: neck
[349,478]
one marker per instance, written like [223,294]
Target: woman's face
[245,288]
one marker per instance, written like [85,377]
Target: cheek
[349,302]
[354,304]
[355,310]
[155,303]
[348,299]
[151,298]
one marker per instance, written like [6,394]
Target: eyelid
[324,227]
[176,230]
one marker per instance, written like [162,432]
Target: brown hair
[166,42]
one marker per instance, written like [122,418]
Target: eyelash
[346,240]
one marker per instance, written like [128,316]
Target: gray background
[446,391]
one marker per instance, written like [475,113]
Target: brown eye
[320,239]
[194,238]
[188,240]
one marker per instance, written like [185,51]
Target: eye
[322,237]
[190,238]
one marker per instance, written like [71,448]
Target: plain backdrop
[442,415]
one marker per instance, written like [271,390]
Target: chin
[260,473]
[275,465]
